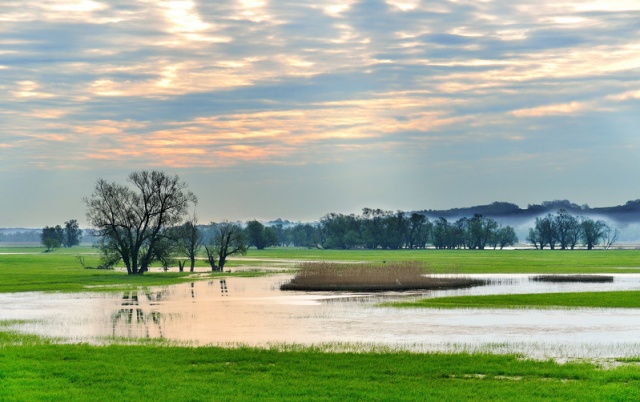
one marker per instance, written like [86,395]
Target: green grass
[61,271]
[31,269]
[619,299]
[474,261]
[42,371]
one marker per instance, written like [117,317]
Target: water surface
[253,311]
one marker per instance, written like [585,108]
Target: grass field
[30,268]
[623,299]
[474,261]
[35,370]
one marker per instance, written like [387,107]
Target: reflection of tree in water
[224,291]
[135,313]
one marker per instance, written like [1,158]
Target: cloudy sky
[292,109]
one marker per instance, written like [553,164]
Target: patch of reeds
[573,278]
[328,276]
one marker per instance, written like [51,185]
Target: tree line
[379,229]
[152,219]
[565,231]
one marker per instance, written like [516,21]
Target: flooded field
[253,311]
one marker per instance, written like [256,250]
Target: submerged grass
[472,261]
[327,276]
[48,371]
[619,299]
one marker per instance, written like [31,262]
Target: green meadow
[623,299]
[473,261]
[32,368]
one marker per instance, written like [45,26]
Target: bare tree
[227,239]
[567,229]
[610,237]
[188,239]
[592,231]
[130,221]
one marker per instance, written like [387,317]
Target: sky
[291,109]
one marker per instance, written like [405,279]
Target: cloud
[217,85]
[551,110]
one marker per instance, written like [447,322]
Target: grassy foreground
[620,299]
[36,370]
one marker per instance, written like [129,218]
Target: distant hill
[622,214]
[625,217]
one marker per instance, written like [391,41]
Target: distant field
[30,268]
[473,261]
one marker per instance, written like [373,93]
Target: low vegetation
[32,369]
[573,278]
[618,299]
[326,276]
[470,261]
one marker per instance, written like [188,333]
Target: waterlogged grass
[46,371]
[30,268]
[471,261]
[620,299]
[61,271]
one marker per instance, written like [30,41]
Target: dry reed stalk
[572,278]
[327,276]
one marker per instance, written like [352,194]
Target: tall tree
[52,237]
[259,236]
[592,232]
[546,229]
[567,229]
[505,236]
[418,233]
[130,221]
[188,240]
[72,233]
[227,239]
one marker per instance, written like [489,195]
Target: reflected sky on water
[254,311]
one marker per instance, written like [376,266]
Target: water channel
[253,311]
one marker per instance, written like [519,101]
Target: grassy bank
[472,261]
[61,271]
[36,371]
[622,299]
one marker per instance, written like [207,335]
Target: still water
[253,311]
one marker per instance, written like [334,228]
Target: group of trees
[475,233]
[146,222]
[565,231]
[149,221]
[57,236]
[376,228]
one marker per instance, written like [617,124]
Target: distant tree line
[565,231]
[22,236]
[379,229]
